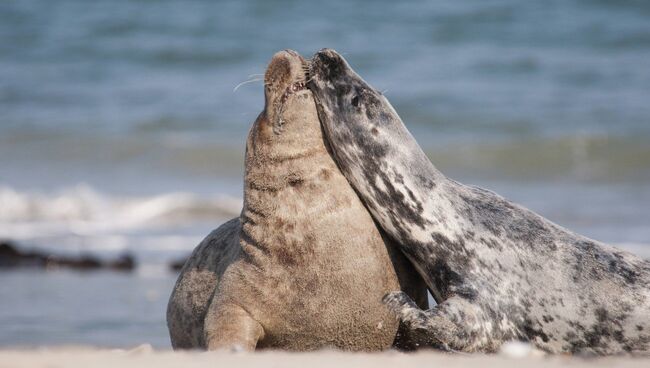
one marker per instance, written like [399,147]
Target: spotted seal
[498,271]
[304,266]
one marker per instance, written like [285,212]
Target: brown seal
[304,267]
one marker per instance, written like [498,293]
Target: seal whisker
[246,82]
[306,68]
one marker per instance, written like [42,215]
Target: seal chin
[285,76]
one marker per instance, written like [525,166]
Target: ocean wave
[155,228]
[83,210]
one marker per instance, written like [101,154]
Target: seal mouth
[292,89]
[295,87]
[300,77]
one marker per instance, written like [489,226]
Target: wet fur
[304,266]
[498,271]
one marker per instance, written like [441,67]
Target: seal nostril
[326,57]
[355,101]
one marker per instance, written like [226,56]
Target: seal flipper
[229,326]
[451,325]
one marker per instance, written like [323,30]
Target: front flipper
[453,325]
[229,326]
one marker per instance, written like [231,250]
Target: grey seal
[497,270]
[304,266]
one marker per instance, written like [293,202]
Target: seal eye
[355,101]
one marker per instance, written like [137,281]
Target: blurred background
[121,131]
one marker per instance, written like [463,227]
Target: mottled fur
[498,271]
[304,266]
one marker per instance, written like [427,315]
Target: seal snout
[328,55]
[286,67]
[285,76]
[328,64]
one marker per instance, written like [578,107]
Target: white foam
[84,211]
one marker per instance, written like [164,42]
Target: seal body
[304,266]
[197,281]
[498,271]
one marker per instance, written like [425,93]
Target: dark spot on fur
[325,174]
[295,181]
[374,131]
[285,257]
[384,116]
[330,66]
[295,253]
[399,179]
[278,223]
[607,329]
[593,262]
[531,332]
[313,286]
[444,274]
[427,183]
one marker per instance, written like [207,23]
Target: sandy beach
[144,356]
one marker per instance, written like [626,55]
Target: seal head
[373,148]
